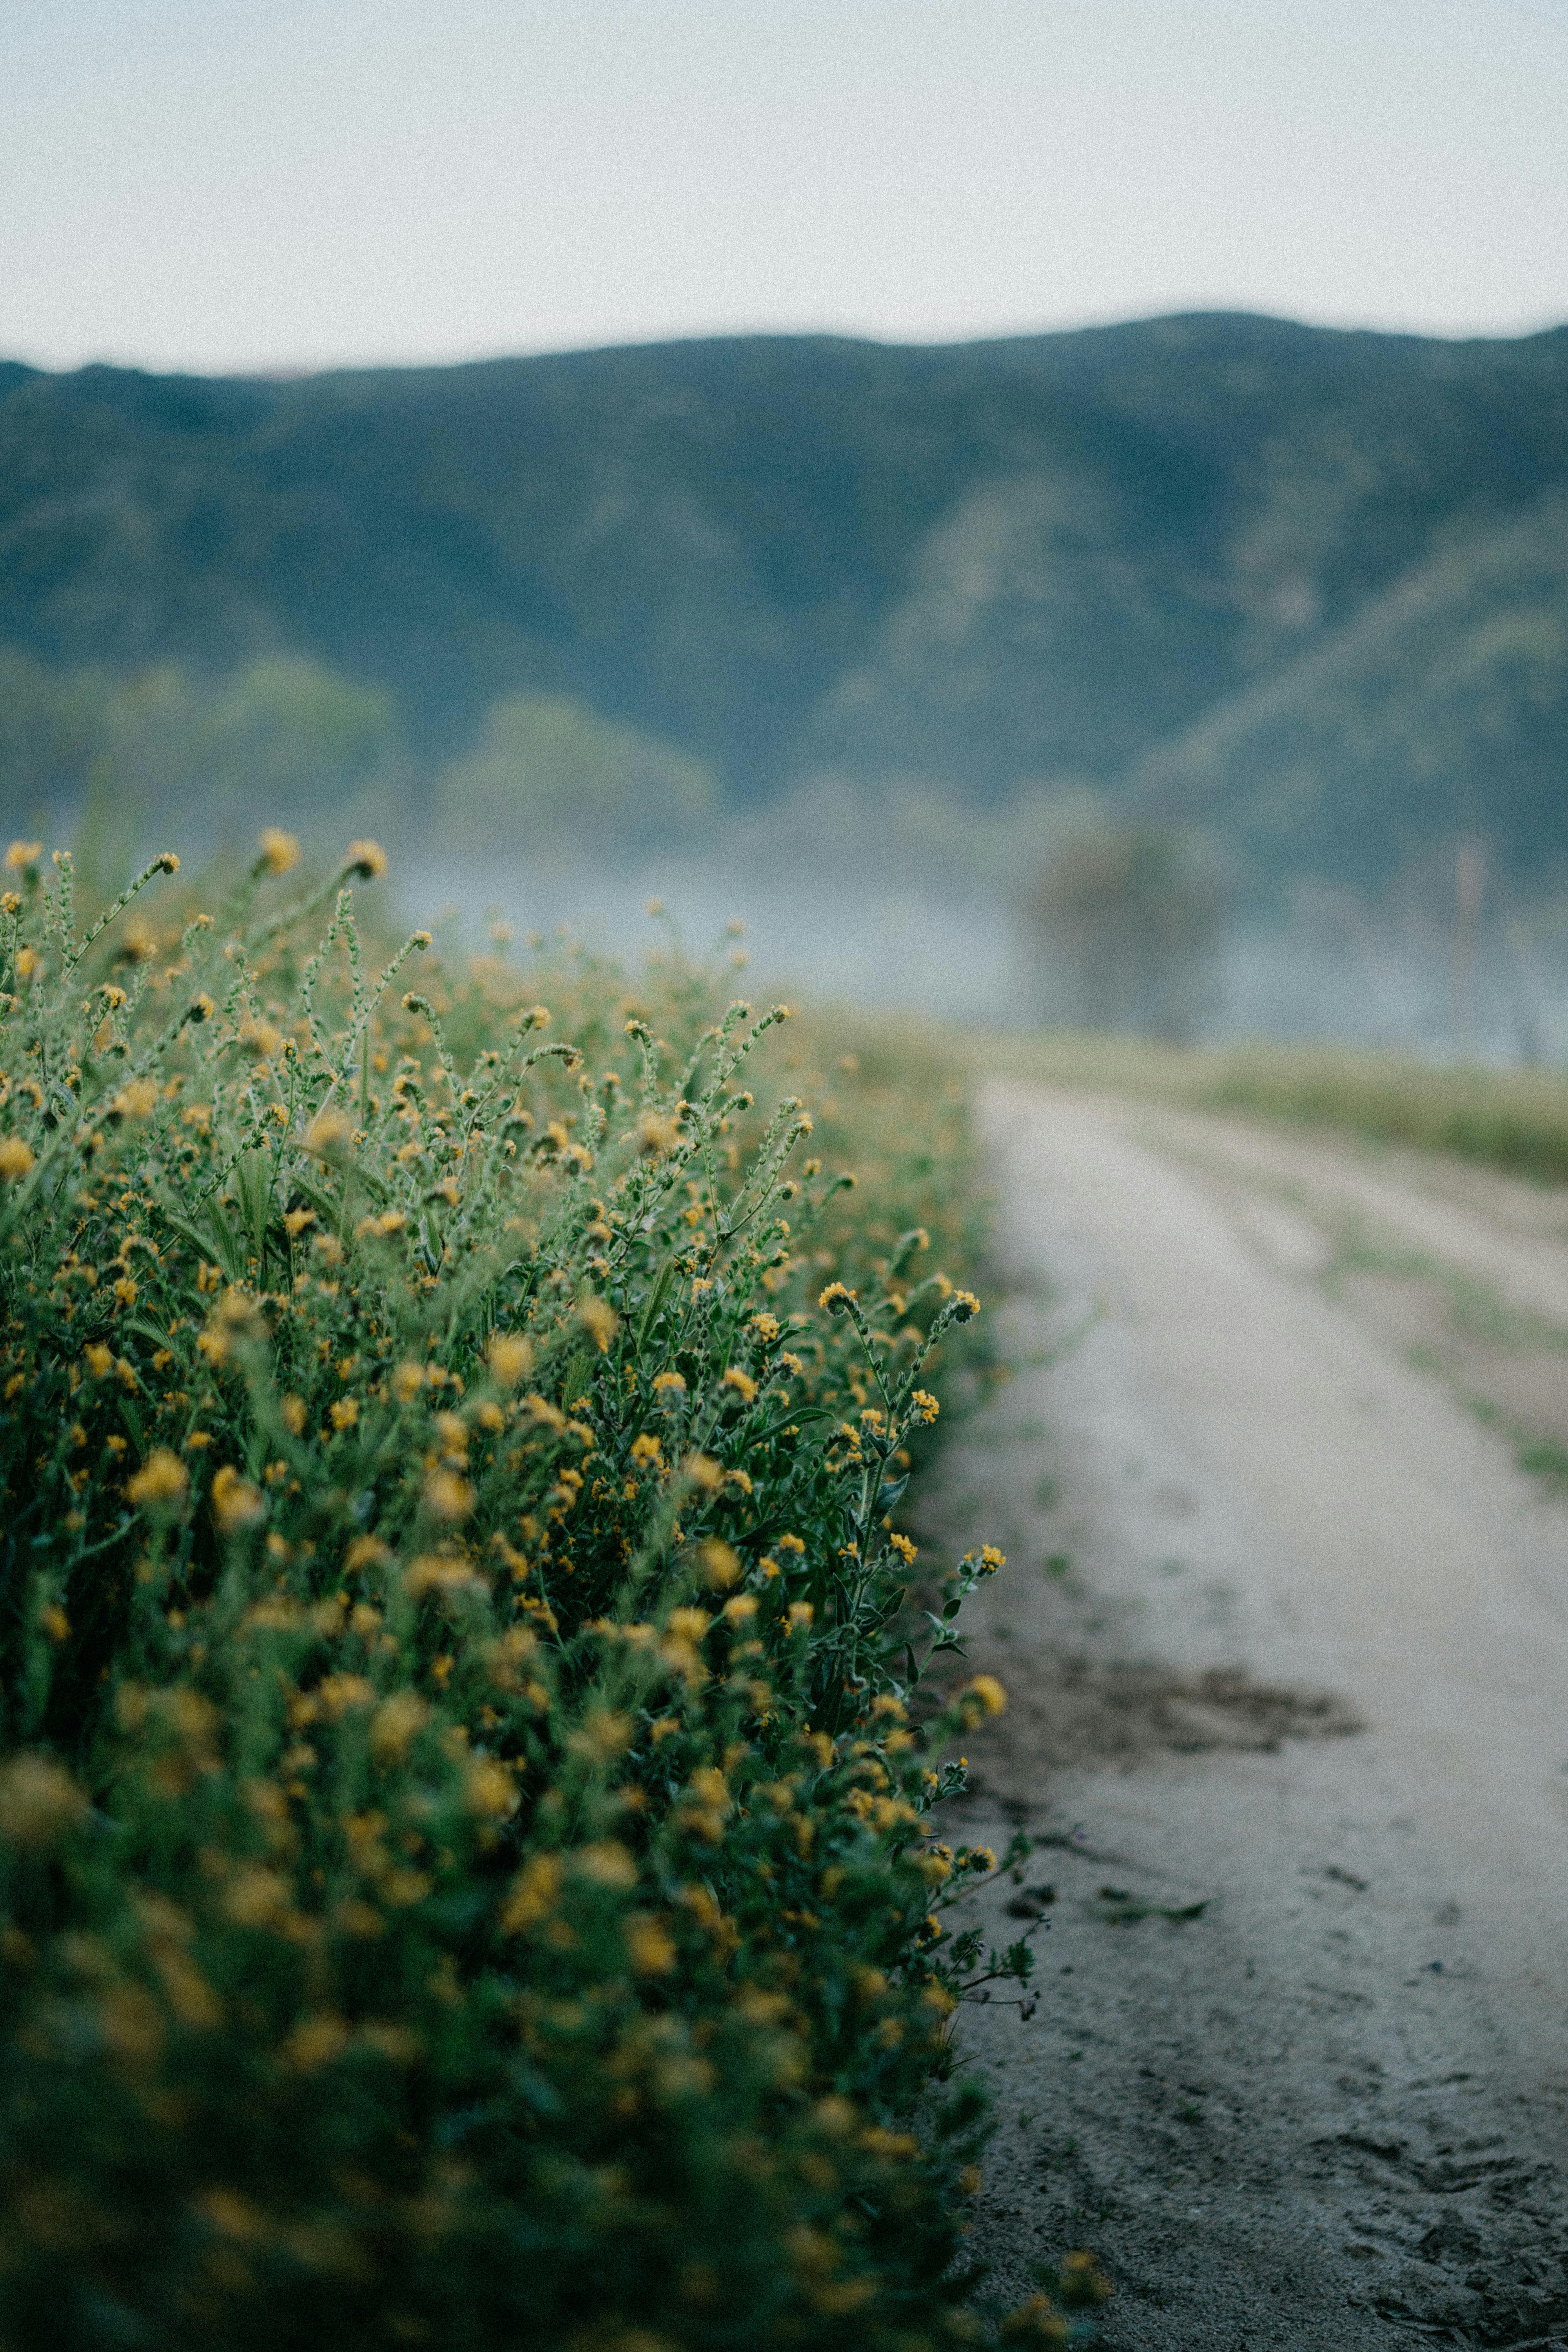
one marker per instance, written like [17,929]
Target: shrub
[464,1828]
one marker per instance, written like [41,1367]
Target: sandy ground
[1286,1630]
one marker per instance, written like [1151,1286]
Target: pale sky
[249,184]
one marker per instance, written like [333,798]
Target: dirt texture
[1285,1628]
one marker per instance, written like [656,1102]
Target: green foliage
[1126,918]
[1513,1119]
[282,731]
[466,1854]
[548,778]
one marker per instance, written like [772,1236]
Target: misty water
[964,954]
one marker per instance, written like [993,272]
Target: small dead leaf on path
[1122,1908]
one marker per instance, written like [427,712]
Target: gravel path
[1286,1631]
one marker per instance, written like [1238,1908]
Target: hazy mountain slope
[1439,709]
[1044,632]
[1060,555]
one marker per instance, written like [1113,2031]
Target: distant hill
[1308,588]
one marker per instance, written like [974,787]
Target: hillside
[1440,708]
[1309,586]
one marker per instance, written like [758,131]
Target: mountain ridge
[980,566]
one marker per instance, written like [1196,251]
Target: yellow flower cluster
[407,1731]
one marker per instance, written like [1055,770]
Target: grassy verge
[1512,1120]
[466,1849]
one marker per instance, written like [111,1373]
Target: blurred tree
[50,728]
[288,730]
[551,778]
[276,740]
[1125,920]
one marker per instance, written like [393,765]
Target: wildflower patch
[465,1814]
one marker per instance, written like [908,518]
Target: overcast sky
[273,183]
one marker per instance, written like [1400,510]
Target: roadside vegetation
[467,1846]
[1515,1119]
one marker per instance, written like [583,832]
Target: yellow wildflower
[448,1496]
[162,1482]
[329,1134]
[489,1789]
[231,2215]
[39,1801]
[22,854]
[236,1503]
[510,1357]
[602,1735]
[599,1320]
[341,1695]
[366,857]
[395,1724]
[257,1897]
[1035,2322]
[607,1864]
[16,1159]
[438,1573]
[315,2042]
[650,1947]
[657,1134]
[720,1564]
[532,1894]
[280,850]
[1082,2279]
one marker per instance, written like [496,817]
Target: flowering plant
[466,1854]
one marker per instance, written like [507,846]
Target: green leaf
[656,1299]
[791,1421]
[218,1243]
[253,1177]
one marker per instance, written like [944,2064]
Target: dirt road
[1286,1629]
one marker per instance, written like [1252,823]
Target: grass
[1512,1120]
[468,1863]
